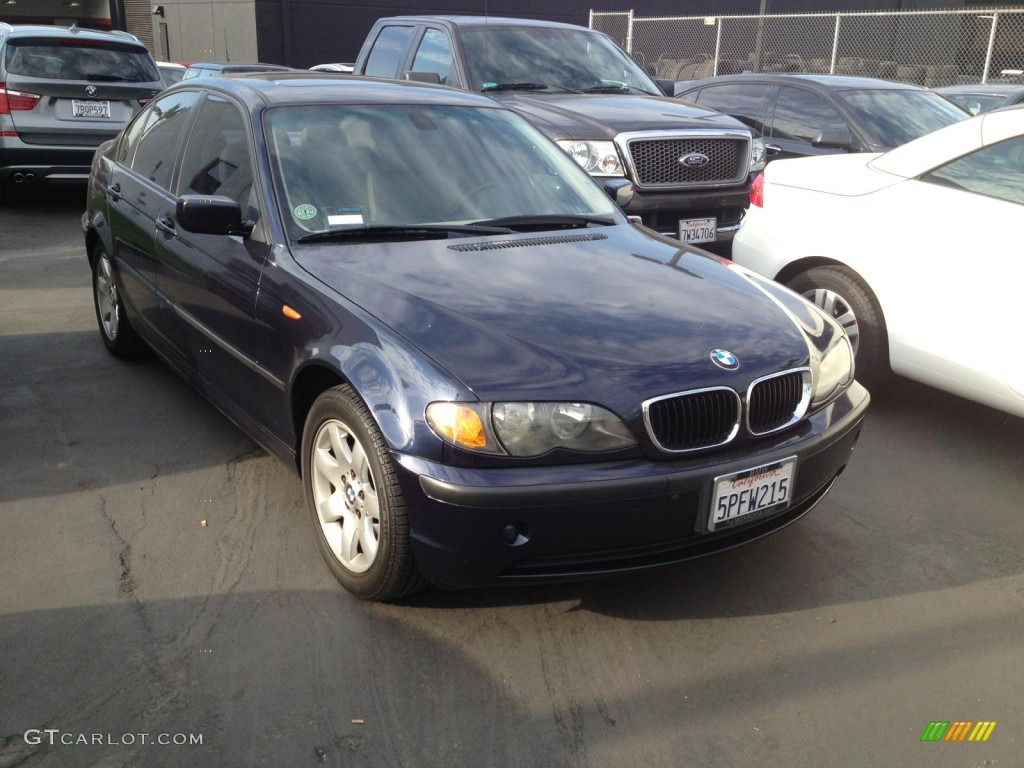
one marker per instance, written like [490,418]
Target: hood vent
[496,245]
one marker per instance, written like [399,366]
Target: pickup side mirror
[210,215]
[834,138]
[667,86]
[422,77]
[620,191]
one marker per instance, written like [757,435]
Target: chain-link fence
[929,48]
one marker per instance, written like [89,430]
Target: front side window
[994,171]
[896,116]
[801,115]
[434,54]
[92,61]
[358,166]
[153,152]
[216,160]
[388,49]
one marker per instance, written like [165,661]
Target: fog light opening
[515,534]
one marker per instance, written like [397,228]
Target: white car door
[951,288]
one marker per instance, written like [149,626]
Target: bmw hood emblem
[723,358]
[90,90]
[695,160]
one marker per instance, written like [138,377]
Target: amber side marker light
[461,425]
[290,313]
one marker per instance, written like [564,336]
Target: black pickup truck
[691,167]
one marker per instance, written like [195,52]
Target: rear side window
[152,153]
[387,52]
[91,61]
[743,101]
[994,171]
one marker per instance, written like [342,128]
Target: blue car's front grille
[691,421]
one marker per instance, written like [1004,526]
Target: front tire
[353,497]
[117,333]
[844,295]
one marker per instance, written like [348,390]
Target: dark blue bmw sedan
[482,371]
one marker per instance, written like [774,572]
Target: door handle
[115,191]
[166,224]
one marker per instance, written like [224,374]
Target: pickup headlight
[598,158]
[757,155]
[528,429]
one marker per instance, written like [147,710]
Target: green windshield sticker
[304,211]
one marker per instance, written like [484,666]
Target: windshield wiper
[422,231]
[514,87]
[538,223]
[616,88]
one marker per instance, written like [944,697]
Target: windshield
[897,116]
[350,167]
[562,59]
[95,61]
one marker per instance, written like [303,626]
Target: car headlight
[757,155]
[598,158]
[834,370]
[527,428]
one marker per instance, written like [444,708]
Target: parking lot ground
[899,601]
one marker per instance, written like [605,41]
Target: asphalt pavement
[133,634]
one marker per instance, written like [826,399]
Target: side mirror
[834,138]
[620,191]
[667,86]
[209,215]
[422,77]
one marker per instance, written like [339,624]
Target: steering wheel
[470,194]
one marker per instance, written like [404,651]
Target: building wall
[94,14]
[205,30]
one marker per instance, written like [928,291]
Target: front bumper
[662,210]
[483,526]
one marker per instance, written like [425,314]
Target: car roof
[823,81]
[486,21]
[233,64]
[297,87]
[62,32]
[1000,89]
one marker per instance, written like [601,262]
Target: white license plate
[752,492]
[698,230]
[90,108]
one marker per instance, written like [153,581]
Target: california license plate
[752,493]
[90,108]
[698,230]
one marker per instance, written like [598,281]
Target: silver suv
[63,92]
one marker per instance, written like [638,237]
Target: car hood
[610,315]
[847,175]
[604,116]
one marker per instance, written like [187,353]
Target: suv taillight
[16,100]
[757,191]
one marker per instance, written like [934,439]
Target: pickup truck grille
[656,161]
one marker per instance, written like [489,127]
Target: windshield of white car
[895,116]
[419,167]
[571,59]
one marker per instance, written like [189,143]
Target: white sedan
[918,252]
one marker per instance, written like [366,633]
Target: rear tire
[117,333]
[354,500]
[844,295]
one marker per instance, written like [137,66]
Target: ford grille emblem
[90,90]
[695,160]
[723,358]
